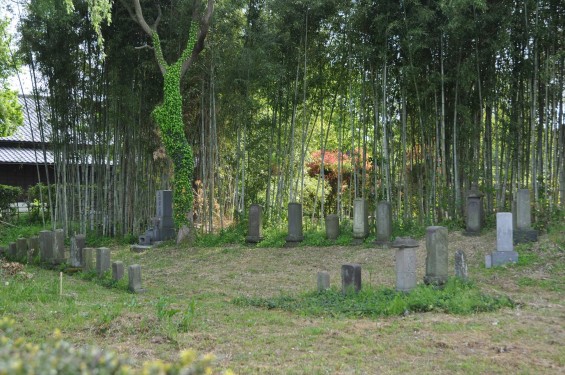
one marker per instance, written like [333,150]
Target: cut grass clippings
[457,297]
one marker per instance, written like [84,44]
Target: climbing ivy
[168,116]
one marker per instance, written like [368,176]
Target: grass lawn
[191,295]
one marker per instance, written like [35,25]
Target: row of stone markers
[406,264]
[360,223]
[521,216]
[49,249]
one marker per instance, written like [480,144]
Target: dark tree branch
[205,25]
[149,31]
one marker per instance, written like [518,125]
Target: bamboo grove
[311,101]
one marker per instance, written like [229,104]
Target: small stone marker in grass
[134,279]
[323,281]
[406,262]
[360,220]
[254,224]
[350,278]
[437,255]
[384,223]
[461,270]
[117,270]
[102,260]
[295,233]
[332,227]
[88,259]
[78,242]
[523,231]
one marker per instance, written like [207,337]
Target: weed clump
[457,297]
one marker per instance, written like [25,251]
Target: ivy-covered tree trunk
[169,118]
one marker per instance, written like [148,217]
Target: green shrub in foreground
[59,357]
[457,297]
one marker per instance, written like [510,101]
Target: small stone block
[134,279]
[406,266]
[46,239]
[332,227]
[350,278]
[488,261]
[255,223]
[461,269]
[139,248]
[500,258]
[117,270]
[77,244]
[323,281]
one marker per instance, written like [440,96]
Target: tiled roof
[30,130]
[14,155]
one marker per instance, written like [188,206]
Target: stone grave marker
[332,227]
[88,259]
[461,270]
[134,279]
[350,278]
[21,250]
[504,252]
[12,252]
[58,247]
[166,225]
[255,224]
[360,220]
[46,241]
[436,255]
[474,212]
[406,262]
[117,270]
[78,242]
[295,234]
[102,260]
[384,223]
[523,231]
[323,281]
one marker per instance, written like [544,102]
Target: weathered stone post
[88,259]
[350,278]
[384,223]
[437,256]
[58,247]
[523,231]
[134,279]
[406,262]
[254,225]
[46,241]
[474,211]
[78,242]
[117,270]
[102,260]
[461,270]
[332,227]
[22,249]
[295,234]
[360,219]
[323,281]
[165,215]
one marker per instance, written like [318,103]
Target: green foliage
[273,237]
[18,356]
[234,234]
[10,111]
[408,228]
[457,297]
[169,118]
[174,318]
[8,195]
[38,200]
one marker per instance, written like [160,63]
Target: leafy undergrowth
[457,297]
